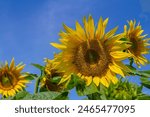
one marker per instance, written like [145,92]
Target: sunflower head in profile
[92,54]
[11,79]
[139,42]
[50,72]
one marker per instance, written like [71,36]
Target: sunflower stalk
[36,88]
[131,61]
[37,83]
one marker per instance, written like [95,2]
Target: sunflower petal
[96,80]
[118,55]
[59,46]
[116,70]
[104,82]
[111,33]
[88,80]
[12,64]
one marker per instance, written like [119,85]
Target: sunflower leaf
[38,66]
[62,96]
[73,82]
[143,97]
[48,95]
[31,77]
[134,71]
[145,82]
[83,90]
[20,95]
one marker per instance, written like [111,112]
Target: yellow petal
[13,91]
[79,74]
[111,33]
[20,68]
[105,22]
[91,27]
[64,79]
[80,30]
[120,47]
[9,93]
[96,80]
[59,46]
[88,80]
[104,82]
[118,55]
[142,60]
[100,30]
[17,87]
[116,70]
[112,76]
[5,93]
[68,29]
[121,66]
[12,64]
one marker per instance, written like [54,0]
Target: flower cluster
[96,55]
[91,60]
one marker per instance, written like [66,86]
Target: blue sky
[28,26]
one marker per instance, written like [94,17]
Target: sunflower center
[6,81]
[135,48]
[91,56]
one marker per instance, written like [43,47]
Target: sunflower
[139,42]
[11,80]
[92,54]
[50,72]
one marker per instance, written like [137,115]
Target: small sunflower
[139,42]
[50,72]
[11,80]
[91,53]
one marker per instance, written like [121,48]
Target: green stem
[37,85]
[131,62]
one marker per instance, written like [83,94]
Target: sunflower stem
[37,85]
[131,61]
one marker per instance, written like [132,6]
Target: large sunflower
[11,80]
[91,53]
[139,42]
[50,72]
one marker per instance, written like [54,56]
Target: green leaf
[145,82]
[83,90]
[144,73]
[62,96]
[20,95]
[49,95]
[73,82]
[143,97]
[38,66]
[43,89]
[31,77]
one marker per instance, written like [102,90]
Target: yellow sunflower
[51,72]
[91,53]
[139,42]
[11,80]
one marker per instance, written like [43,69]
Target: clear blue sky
[28,26]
